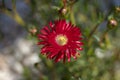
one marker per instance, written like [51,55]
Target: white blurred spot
[24,46]
[101,53]
[31,59]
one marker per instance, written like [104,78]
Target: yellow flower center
[61,40]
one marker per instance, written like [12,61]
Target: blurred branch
[89,40]
[72,18]
[13,14]
[93,31]
[103,35]
[16,17]
[3,3]
[64,2]
[14,5]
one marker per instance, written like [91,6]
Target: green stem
[89,40]
[93,31]
[72,18]
[103,35]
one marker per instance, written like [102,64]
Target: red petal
[52,54]
[42,42]
[80,48]
[51,25]
[64,58]
[80,43]
[40,36]
[46,49]
[43,31]
[57,59]
[59,56]
[68,54]
[47,29]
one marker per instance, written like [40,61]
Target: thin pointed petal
[52,48]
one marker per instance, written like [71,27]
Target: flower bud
[63,10]
[112,23]
[33,31]
[117,9]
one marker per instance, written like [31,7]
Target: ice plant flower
[61,40]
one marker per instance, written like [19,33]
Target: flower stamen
[61,40]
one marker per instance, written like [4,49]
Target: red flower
[60,40]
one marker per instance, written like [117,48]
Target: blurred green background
[99,21]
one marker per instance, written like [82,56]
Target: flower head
[61,40]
